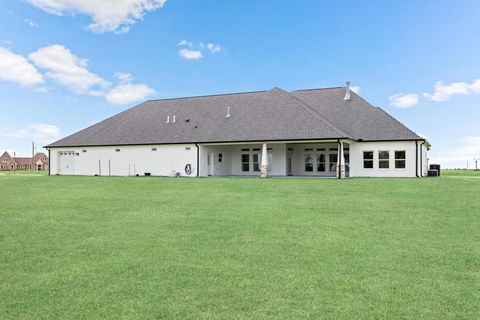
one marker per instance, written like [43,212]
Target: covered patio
[321,158]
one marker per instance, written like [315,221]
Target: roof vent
[347,91]
[173,120]
[228,113]
[168,119]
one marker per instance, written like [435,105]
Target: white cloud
[190,54]
[128,92]
[468,149]
[106,15]
[123,77]
[185,43]
[404,100]
[214,48]
[15,68]
[195,51]
[66,68]
[443,92]
[31,23]
[355,89]
[40,132]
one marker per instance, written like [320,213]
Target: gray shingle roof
[255,116]
[358,118]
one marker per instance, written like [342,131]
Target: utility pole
[476,163]
[33,155]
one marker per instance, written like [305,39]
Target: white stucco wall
[222,168]
[231,163]
[356,159]
[278,157]
[130,160]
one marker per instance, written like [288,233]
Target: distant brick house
[9,163]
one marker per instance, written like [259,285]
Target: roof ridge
[315,113]
[312,89]
[208,95]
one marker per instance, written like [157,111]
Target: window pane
[245,162]
[320,162]
[367,155]
[400,164]
[256,164]
[321,167]
[308,162]
[383,155]
[400,155]
[383,164]
[368,164]
[333,162]
[383,159]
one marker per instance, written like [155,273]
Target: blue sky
[65,65]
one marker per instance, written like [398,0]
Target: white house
[329,132]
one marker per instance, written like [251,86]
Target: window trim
[305,154]
[244,162]
[370,160]
[318,162]
[387,160]
[399,159]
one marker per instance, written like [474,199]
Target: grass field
[226,248]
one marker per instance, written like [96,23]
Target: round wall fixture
[188,169]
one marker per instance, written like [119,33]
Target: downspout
[416,158]
[198,160]
[421,158]
[48,161]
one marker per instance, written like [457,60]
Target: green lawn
[230,248]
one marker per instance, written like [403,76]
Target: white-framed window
[383,159]
[308,162]
[333,159]
[256,162]
[368,159]
[320,162]
[400,159]
[255,156]
[245,162]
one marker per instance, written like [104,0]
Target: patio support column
[264,163]
[340,161]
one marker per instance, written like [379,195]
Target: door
[210,160]
[66,162]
